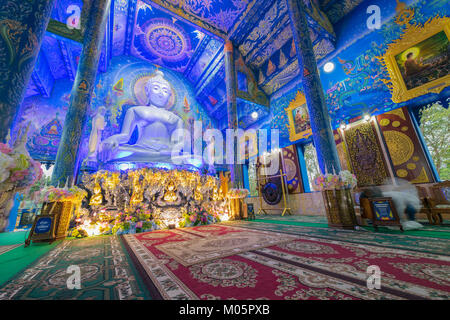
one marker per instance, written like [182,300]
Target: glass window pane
[312,165]
[435,127]
[252,178]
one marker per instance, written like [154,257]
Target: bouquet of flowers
[52,194]
[18,170]
[328,181]
[237,193]
[348,179]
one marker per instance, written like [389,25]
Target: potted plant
[337,197]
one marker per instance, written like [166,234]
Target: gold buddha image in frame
[298,116]
[418,62]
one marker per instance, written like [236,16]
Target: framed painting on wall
[298,116]
[418,62]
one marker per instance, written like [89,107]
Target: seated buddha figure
[97,197]
[155,127]
[170,195]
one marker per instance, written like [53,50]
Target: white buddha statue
[98,125]
[155,127]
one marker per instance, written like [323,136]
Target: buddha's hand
[107,149]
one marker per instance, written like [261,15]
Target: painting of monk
[301,119]
[426,61]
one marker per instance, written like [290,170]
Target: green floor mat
[18,259]
[105,268]
[442,232]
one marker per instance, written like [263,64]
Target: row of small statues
[165,188]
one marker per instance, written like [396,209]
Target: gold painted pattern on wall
[400,146]
[397,112]
[366,155]
[403,146]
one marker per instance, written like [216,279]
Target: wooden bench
[439,203]
[425,205]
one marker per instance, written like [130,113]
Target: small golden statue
[198,194]
[97,198]
[170,195]
[215,194]
[138,194]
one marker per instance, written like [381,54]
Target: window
[435,127]
[252,176]
[312,165]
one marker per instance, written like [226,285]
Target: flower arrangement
[52,194]
[18,171]
[328,181]
[113,222]
[237,193]
[200,217]
[348,179]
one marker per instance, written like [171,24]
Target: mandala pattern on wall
[165,39]
[162,41]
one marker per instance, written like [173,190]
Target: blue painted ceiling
[188,36]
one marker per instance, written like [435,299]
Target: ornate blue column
[66,166]
[318,113]
[22,28]
[231,84]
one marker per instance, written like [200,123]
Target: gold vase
[6,203]
[235,209]
[339,208]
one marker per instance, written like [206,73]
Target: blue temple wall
[354,87]
[115,90]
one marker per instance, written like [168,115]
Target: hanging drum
[272,193]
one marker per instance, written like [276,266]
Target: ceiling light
[328,67]
[343,125]
[255,115]
[366,117]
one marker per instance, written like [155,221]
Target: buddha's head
[158,90]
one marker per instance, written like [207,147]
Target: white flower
[6,163]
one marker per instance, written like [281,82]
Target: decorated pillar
[231,84]
[318,113]
[67,158]
[22,28]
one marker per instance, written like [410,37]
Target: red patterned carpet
[205,263]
